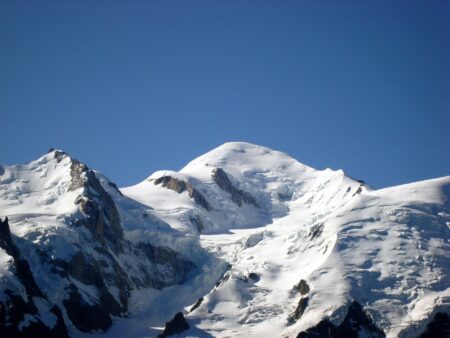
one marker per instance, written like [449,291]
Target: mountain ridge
[267,246]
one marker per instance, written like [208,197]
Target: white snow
[388,249]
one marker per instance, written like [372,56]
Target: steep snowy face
[245,241]
[309,251]
[240,185]
[74,249]
[39,187]
[376,266]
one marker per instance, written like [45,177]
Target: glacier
[244,241]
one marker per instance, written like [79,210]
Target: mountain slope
[244,240]
[73,241]
[385,251]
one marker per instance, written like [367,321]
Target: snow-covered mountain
[244,241]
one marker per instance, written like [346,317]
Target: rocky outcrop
[197,304]
[177,325]
[181,186]
[438,327]
[6,242]
[100,271]
[102,218]
[167,267]
[86,317]
[154,267]
[15,308]
[238,196]
[302,287]
[299,310]
[355,321]
[12,316]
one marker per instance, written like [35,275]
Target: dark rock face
[302,287]
[299,310]
[177,325]
[59,155]
[102,219]
[316,231]
[180,186]
[101,272]
[438,327]
[13,311]
[355,321]
[86,317]
[197,304]
[21,265]
[179,267]
[358,191]
[238,196]
[17,308]
[6,242]
[95,260]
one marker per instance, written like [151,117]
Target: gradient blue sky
[130,87]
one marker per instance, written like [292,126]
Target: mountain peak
[238,158]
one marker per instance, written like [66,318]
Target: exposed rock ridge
[238,196]
[180,186]
[355,321]
[15,307]
[175,326]
[103,219]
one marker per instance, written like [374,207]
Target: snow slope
[386,249]
[86,249]
[273,248]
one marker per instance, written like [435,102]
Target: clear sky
[130,87]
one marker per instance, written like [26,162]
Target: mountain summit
[243,241]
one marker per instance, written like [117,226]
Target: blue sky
[130,87]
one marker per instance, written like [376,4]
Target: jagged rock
[21,265]
[316,231]
[101,273]
[86,317]
[197,304]
[177,325]
[59,330]
[355,321]
[103,219]
[180,268]
[180,186]
[358,191]
[59,155]
[438,327]
[16,309]
[114,186]
[302,287]
[13,311]
[6,242]
[26,277]
[238,196]
[299,310]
